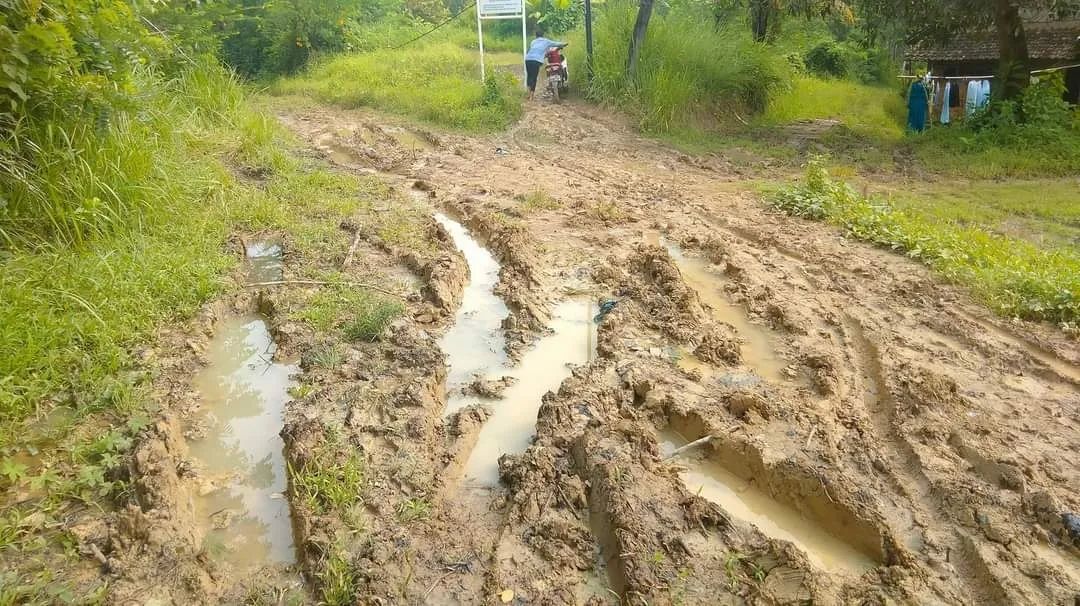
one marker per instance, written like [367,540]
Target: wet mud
[874,441]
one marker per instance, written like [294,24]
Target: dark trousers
[532,70]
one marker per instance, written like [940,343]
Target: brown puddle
[743,501]
[264,261]
[474,344]
[243,506]
[758,352]
[571,342]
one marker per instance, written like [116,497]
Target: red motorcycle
[558,77]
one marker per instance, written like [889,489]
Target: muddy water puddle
[264,261]
[570,342]
[474,349]
[745,502]
[758,351]
[474,343]
[242,504]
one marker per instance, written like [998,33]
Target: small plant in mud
[329,482]
[737,565]
[414,509]
[337,581]
[608,212]
[328,356]
[369,324]
[301,391]
[539,199]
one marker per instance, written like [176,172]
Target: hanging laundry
[945,105]
[918,107]
[984,93]
[971,101]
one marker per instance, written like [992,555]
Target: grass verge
[435,83]
[1014,277]
[77,311]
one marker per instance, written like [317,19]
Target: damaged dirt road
[855,431]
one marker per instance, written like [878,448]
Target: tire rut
[907,476]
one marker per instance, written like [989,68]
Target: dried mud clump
[489,388]
[823,373]
[562,542]
[718,348]
[742,404]
[922,389]
[651,278]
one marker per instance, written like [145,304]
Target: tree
[638,39]
[938,21]
[765,14]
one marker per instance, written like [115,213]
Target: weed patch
[331,480]
[539,199]
[1013,277]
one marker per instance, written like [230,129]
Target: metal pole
[524,40]
[588,41]
[480,34]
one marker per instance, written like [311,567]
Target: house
[1051,44]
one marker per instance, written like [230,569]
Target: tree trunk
[640,27]
[1014,69]
[759,18]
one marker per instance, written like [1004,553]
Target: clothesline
[1037,71]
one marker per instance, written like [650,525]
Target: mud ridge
[521,283]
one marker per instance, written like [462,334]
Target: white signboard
[500,8]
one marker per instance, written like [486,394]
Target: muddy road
[620,378]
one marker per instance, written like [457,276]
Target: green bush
[846,59]
[1014,277]
[688,70]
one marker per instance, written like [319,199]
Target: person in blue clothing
[534,59]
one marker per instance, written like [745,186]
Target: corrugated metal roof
[1049,40]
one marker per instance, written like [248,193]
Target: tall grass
[689,71]
[110,229]
[437,83]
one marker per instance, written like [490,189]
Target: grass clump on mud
[436,83]
[1014,277]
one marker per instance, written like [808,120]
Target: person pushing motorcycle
[534,59]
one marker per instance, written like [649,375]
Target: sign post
[500,9]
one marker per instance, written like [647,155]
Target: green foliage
[369,323]
[110,232]
[66,56]
[331,480]
[1012,276]
[414,509]
[555,16]
[688,70]
[846,59]
[337,579]
[436,83]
